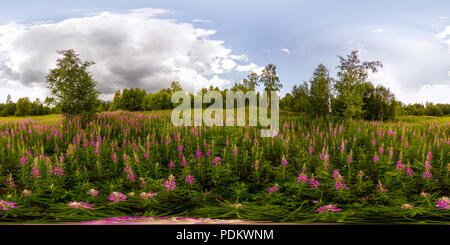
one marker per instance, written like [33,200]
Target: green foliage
[320,91]
[269,78]
[147,143]
[72,86]
[433,110]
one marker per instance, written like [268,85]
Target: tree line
[24,107]
[348,95]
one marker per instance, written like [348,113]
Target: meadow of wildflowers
[139,164]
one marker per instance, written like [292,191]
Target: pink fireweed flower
[198,154]
[114,157]
[391,153]
[189,179]
[328,208]
[147,195]
[216,161]
[208,153]
[273,188]
[375,158]
[22,161]
[5,205]
[130,174]
[117,197]
[341,148]
[35,173]
[170,183]
[310,150]
[381,150]
[339,181]
[324,157]
[313,182]
[171,164]
[92,192]
[427,173]
[443,203]
[302,178]
[284,162]
[97,150]
[146,156]
[429,155]
[83,205]
[409,171]
[57,171]
[400,167]
[235,150]
[184,162]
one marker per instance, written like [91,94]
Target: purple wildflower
[190,179]
[5,205]
[328,208]
[273,188]
[83,205]
[117,197]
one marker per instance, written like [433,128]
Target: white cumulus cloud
[285,50]
[138,48]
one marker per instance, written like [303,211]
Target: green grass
[408,118]
[443,119]
[51,117]
[235,180]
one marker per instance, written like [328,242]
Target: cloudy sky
[199,43]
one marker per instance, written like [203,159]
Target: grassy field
[443,119]
[139,164]
[54,117]
[51,117]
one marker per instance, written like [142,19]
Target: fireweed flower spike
[117,197]
[170,183]
[284,162]
[4,205]
[171,164]
[443,203]
[189,179]
[302,178]
[313,182]
[328,208]
[130,173]
[375,158]
[147,195]
[216,161]
[339,181]
[82,205]
[427,173]
[273,188]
